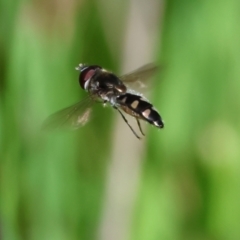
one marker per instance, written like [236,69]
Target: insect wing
[140,75]
[71,117]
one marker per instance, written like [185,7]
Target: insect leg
[140,127]
[125,120]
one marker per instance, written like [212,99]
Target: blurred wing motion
[71,117]
[140,75]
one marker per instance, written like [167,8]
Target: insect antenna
[125,120]
[140,127]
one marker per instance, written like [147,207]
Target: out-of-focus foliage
[52,185]
[190,186]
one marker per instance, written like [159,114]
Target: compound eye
[86,74]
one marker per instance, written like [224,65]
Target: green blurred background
[100,182]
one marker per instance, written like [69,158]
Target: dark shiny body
[106,87]
[101,83]
[139,107]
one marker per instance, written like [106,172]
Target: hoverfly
[105,87]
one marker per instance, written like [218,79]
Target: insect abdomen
[139,107]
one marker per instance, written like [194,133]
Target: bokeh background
[100,182]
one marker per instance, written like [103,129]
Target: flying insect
[105,87]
